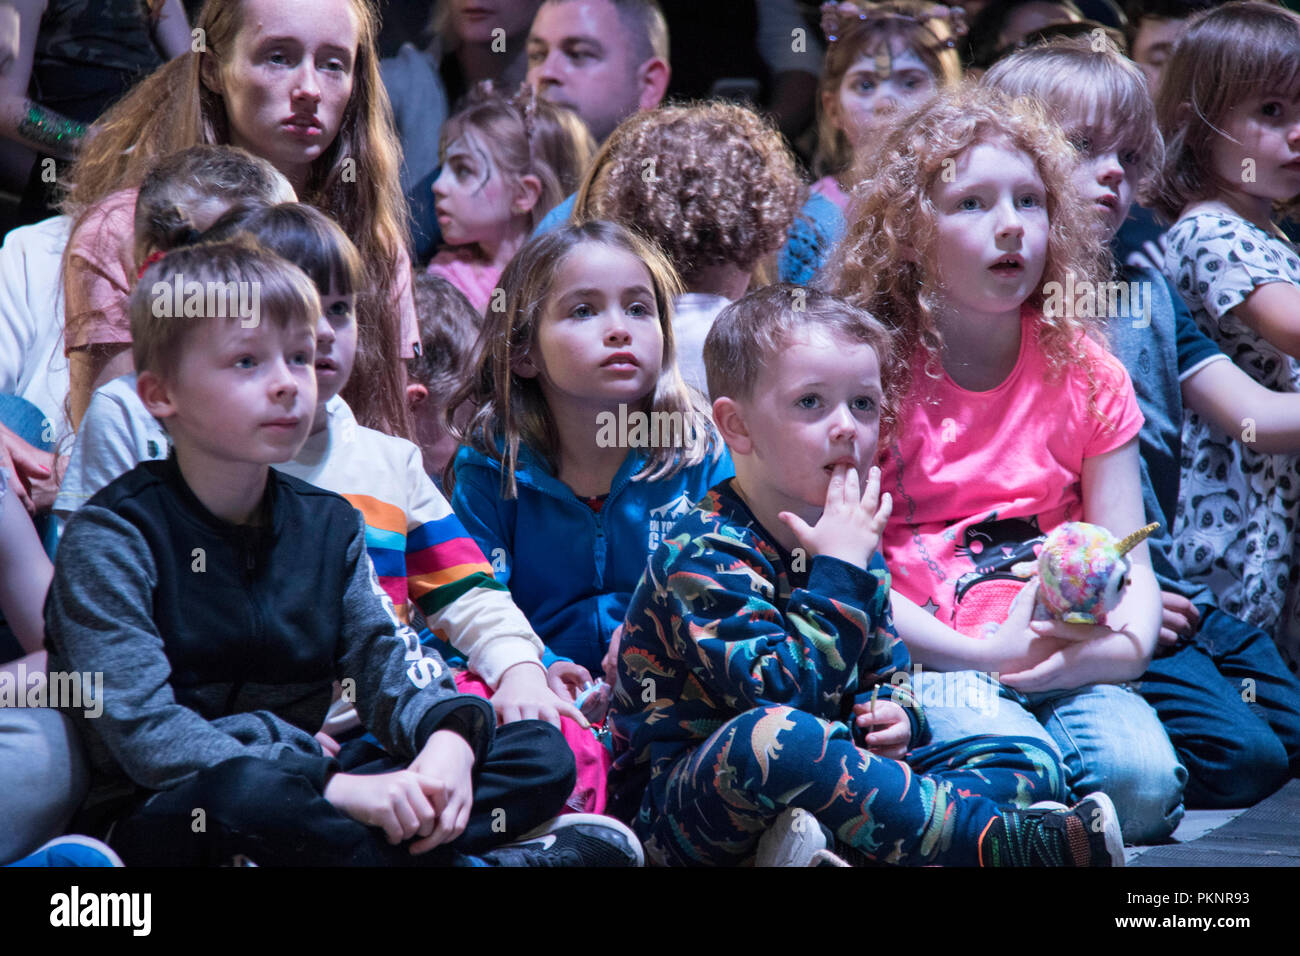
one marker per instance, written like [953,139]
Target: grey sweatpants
[44,774]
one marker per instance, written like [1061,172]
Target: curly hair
[1223,58]
[711,183]
[510,409]
[886,264]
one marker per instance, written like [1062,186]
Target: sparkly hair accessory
[838,17]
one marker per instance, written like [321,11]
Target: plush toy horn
[1133,540]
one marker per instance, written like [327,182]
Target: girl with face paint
[882,60]
[505,164]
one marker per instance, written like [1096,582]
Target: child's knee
[1247,769]
[1146,785]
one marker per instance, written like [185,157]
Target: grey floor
[1267,834]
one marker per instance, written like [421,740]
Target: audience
[643,624]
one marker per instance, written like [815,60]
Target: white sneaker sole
[792,840]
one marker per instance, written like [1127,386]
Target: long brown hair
[1223,58]
[509,409]
[355,181]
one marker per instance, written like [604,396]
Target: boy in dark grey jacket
[221,600]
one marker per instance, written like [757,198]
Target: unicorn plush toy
[1082,571]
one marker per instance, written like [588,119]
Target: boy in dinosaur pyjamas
[757,712]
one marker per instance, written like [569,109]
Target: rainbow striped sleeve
[386,544]
[443,562]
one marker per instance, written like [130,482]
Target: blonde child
[881,59]
[1010,422]
[776,724]
[1229,109]
[506,162]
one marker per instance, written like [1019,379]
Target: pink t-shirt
[977,477]
[102,273]
[829,187]
[473,277]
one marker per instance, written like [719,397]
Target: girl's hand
[524,693]
[566,679]
[1016,645]
[851,524]
[895,730]
[1181,619]
[327,743]
[28,466]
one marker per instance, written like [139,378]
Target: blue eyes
[972,203]
[862,403]
[637,310]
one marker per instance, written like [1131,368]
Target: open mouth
[326,365]
[1007,266]
[1110,202]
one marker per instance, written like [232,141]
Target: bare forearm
[934,644]
[1126,654]
[41,128]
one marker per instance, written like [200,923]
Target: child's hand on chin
[851,523]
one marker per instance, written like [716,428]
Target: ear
[528,190]
[416,395]
[155,395]
[210,73]
[525,367]
[831,107]
[652,78]
[730,421]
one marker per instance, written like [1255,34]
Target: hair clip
[148,261]
[840,15]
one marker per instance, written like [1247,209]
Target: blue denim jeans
[1232,710]
[1108,738]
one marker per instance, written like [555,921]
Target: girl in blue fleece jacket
[584,446]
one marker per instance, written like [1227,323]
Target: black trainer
[1086,834]
[575,839]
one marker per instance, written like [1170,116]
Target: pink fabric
[829,187]
[591,756]
[102,272]
[964,460]
[474,278]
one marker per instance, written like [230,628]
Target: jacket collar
[533,472]
[271,516]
